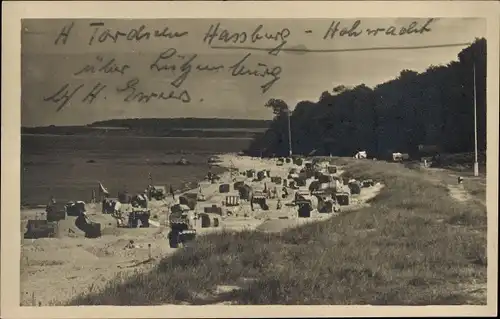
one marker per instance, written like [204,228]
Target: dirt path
[458,193]
[476,292]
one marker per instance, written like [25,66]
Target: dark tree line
[435,107]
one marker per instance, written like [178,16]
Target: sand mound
[113,231]
[277,225]
[106,220]
[51,251]
[67,228]
[240,224]
[108,249]
[54,255]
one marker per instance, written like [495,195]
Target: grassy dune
[414,245]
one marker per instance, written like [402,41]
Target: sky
[47,67]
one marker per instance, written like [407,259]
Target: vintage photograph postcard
[233,155]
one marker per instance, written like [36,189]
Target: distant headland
[160,127]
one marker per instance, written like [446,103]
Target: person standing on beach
[285,192]
[94,197]
[172,192]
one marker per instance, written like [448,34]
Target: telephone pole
[476,164]
[289,133]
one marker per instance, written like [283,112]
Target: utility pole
[289,133]
[476,164]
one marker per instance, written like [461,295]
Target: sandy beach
[53,270]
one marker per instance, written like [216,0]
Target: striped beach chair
[232,200]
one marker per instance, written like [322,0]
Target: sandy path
[477,292]
[455,190]
[458,193]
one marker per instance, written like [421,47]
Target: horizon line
[149,118]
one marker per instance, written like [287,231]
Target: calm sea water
[70,167]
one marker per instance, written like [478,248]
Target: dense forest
[433,108]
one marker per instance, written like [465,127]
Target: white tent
[360,154]
[397,156]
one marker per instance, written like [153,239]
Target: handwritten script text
[166,73]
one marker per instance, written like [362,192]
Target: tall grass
[413,245]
